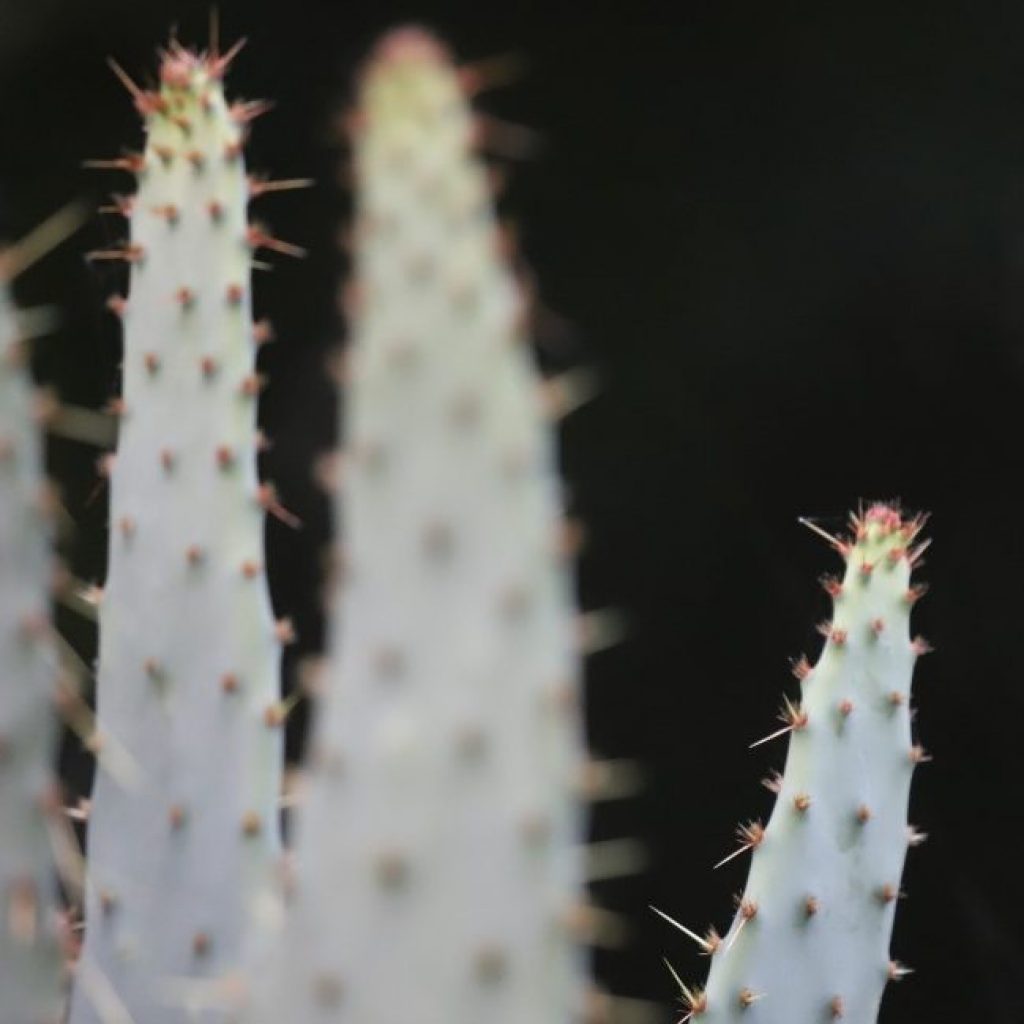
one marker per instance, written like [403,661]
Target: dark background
[790,238]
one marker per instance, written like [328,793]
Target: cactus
[810,939]
[31,982]
[437,850]
[189,652]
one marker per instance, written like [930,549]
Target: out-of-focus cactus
[189,651]
[810,939]
[31,981]
[437,854]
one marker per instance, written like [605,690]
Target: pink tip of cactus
[176,71]
[410,43]
[884,514]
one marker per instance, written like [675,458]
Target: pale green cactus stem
[810,939]
[188,677]
[31,958]
[437,854]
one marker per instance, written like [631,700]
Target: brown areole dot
[896,971]
[438,539]
[108,901]
[388,662]
[887,893]
[535,828]
[274,716]
[391,869]
[251,569]
[490,964]
[328,990]
[251,385]
[747,997]
[470,742]
[252,824]
[514,601]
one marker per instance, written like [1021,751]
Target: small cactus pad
[174,860]
[810,939]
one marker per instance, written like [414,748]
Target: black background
[790,238]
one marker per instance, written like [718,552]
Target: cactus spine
[810,939]
[189,652]
[436,854]
[31,981]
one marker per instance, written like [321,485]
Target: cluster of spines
[836,841]
[188,674]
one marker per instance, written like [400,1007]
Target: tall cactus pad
[188,670]
[436,855]
[810,940]
[30,955]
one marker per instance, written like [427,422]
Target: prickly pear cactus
[810,939]
[436,856]
[189,652]
[31,981]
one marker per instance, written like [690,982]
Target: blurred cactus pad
[438,856]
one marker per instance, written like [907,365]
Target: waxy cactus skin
[31,970]
[810,939]
[188,670]
[437,853]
